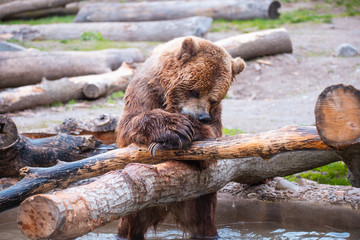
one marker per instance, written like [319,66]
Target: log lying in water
[153,11]
[65,89]
[258,44]
[79,210]
[337,115]
[15,66]
[264,145]
[15,7]
[121,31]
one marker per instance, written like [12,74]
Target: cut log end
[8,133]
[39,217]
[273,10]
[337,114]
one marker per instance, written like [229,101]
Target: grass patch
[87,36]
[333,174]
[297,16]
[232,131]
[115,96]
[44,20]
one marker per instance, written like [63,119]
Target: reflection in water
[246,231]
[241,230]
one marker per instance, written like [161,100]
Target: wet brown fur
[173,100]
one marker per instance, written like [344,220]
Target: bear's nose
[204,117]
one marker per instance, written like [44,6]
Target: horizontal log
[264,145]
[18,151]
[14,66]
[76,211]
[65,89]
[153,11]
[23,6]
[121,31]
[58,11]
[258,44]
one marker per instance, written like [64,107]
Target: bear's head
[195,75]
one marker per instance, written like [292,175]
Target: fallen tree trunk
[17,151]
[131,31]
[264,145]
[58,11]
[23,6]
[65,89]
[76,211]
[153,11]
[338,123]
[258,44]
[102,128]
[14,66]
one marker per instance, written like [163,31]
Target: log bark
[14,66]
[65,89]
[258,44]
[153,11]
[102,128]
[17,151]
[76,211]
[337,115]
[59,11]
[121,31]
[264,145]
[23,6]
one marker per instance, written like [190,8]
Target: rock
[345,50]
[283,184]
[10,47]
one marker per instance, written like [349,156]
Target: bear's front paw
[177,133]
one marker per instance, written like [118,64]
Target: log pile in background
[65,89]
[154,11]
[120,31]
[20,68]
[15,7]
[258,44]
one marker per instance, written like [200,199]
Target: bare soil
[281,92]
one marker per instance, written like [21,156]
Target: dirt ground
[265,96]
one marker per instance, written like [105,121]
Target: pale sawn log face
[337,114]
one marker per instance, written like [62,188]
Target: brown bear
[172,100]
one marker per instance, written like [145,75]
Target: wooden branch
[153,11]
[14,66]
[65,89]
[17,151]
[79,210]
[121,31]
[337,115]
[23,6]
[264,145]
[102,128]
[258,44]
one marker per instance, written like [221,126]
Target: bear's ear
[188,50]
[238,65]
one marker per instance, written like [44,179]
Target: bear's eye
[194,93]
[214,102]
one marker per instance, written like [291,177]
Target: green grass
[333,174]
[115,96]
[297,16]
[45,20]
[232,131]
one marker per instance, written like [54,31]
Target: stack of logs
[287,151]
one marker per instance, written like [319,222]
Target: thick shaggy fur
[174,100]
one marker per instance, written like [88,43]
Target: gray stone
[10,47]
[345,50]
